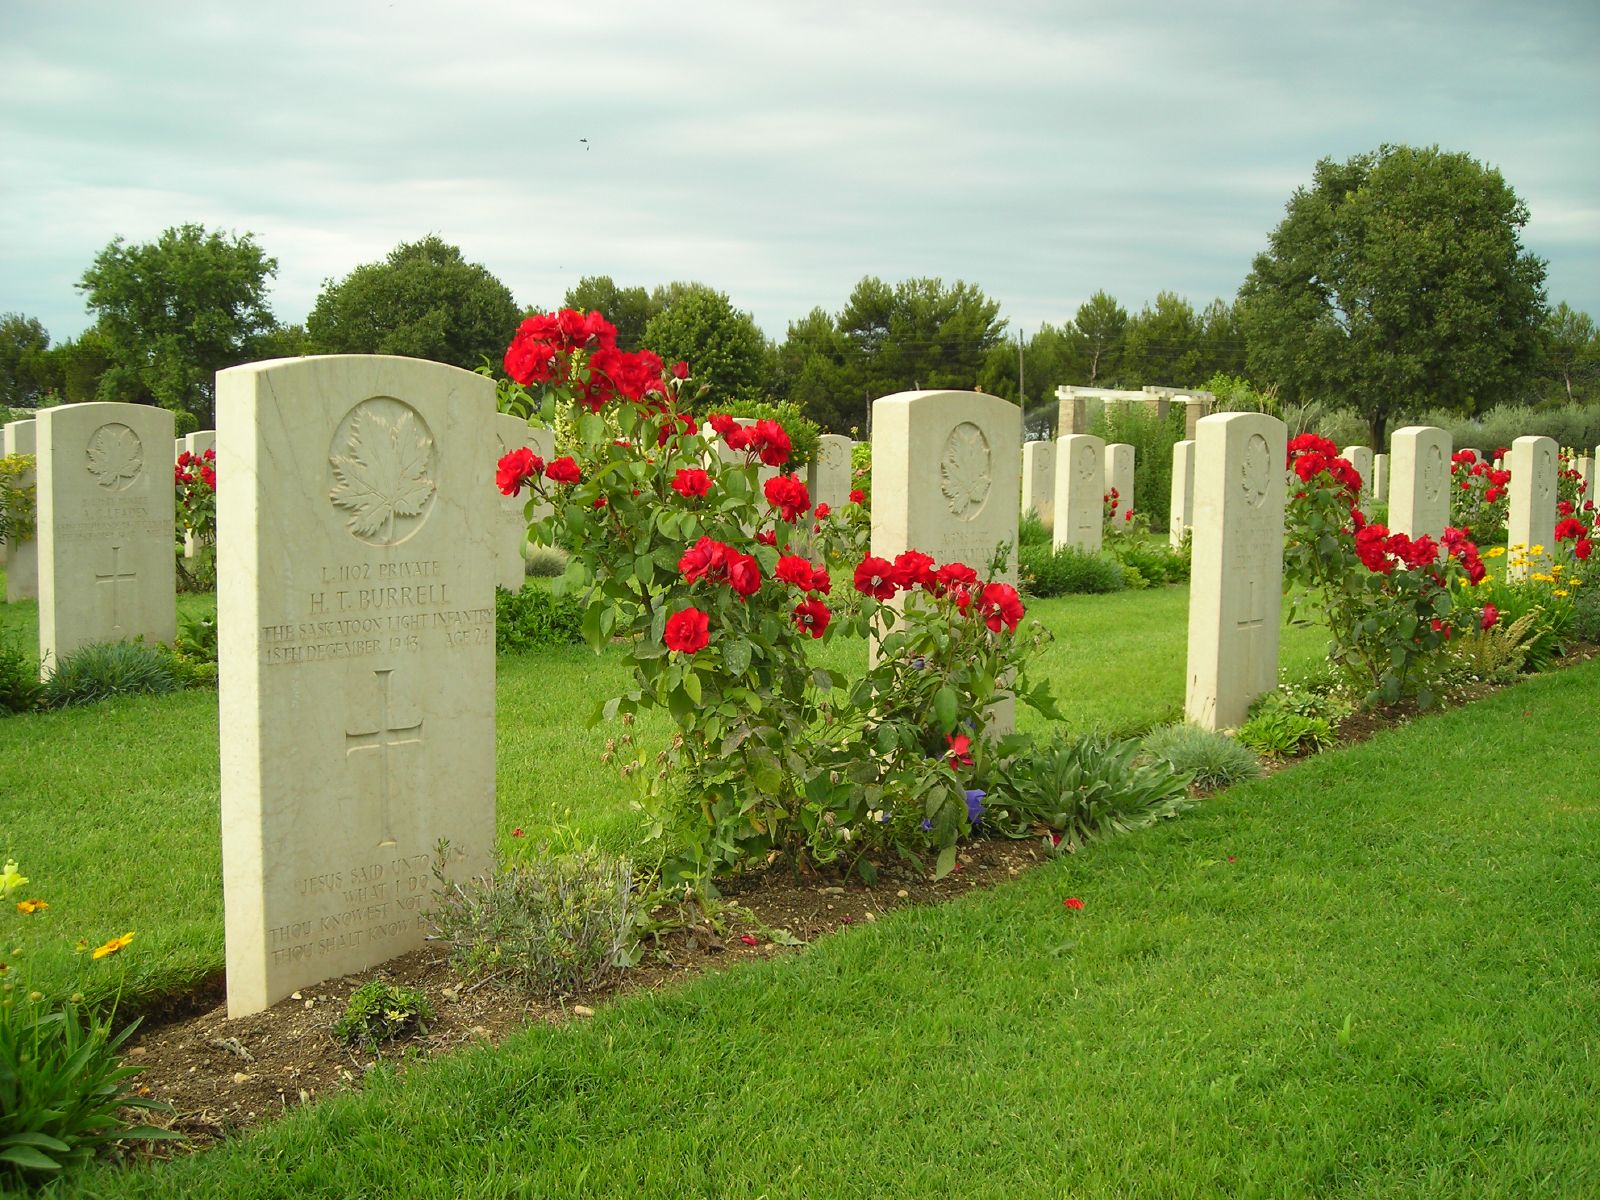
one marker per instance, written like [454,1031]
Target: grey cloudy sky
[778,151]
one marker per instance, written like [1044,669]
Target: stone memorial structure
[22,557]
[1237,577]
[1039,481]
[828,474]
[105,500]
[356,613]
[1531,520]
[512,433]
[1360,457]
[1419,481]
[1119,477]
[1182,512]
[1380,478]
[1080,492]
[946,469]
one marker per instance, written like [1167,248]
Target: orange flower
[29,907]
[115,944]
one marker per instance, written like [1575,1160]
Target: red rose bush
[720,583]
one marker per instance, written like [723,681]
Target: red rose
[812,617]
[820,581]
[691,481]
[955,574]
[960,747]
[768,537]
[792,569]
[680,370]
[688,630]
[913,569]
[857,496]
[787,494]
[1581,549]
[706,558]
[1563,508]
[822,511]
[1570,528]
[1491,615]
[875,578]
[563,470]
[771,444]
[515,469]
[744,573]
[208,476]
[722,423]
[999,605]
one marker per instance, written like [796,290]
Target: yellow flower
[10,879]
[1539,549]
[29,907]
[1559,592]
[115,944]
[1495,552]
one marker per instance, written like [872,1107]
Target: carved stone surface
[1419,468]
[1080,489]
[1531,521]
[964,470]
[105,525]
[355,598]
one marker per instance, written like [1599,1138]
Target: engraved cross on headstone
[383,739]
[115,578]
[1252,628]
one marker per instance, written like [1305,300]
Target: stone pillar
[1360,457]
[1237,578]
[512,432]
[828,474]
[106,561]
[355,606]
[1532,519]
[1380,478]
[22,558]
[1039,481]
[1419,483]
[1080,492]
[1182,491]
[1119,475]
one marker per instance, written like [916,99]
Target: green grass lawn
[1376,974]
[112,809]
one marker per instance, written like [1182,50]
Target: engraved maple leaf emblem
[964,470]
[115,456]
[383,473]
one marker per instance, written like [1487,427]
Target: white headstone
[1380,478]
[828,475]
[356,618]
[512,432]
[1585,469]
[1039,481]
[1419,481]
[1531,520]
[1182,516]
[1237,576]
[22,558]
[196,444]
[1080,492]
[1360,457]
[106,571]
[946,469]
[1119,476]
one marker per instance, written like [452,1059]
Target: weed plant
[379,1012]
[535,617]
[104,669]
[20,690]
[1067,571]
[1214,760]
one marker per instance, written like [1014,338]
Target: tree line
[1396,281]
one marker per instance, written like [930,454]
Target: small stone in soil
[582,1010]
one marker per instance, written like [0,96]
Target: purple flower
[975,806]
[927,825]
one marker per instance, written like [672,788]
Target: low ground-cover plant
[535,617]
[20,690]
[1213,760]
[1079,788]
[103,669]
[1067,571]
[547,924]
[379,1012]
[63,1084]
[16,498]
[719,581]
[1279,733]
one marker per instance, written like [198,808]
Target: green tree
[174,312]
[25,363]
[1221,341]
[629,309]
[810,370]
[1570,358]
[918,334]
[1398,279]
[80,363]
[721,344]
[1162,343]
[1100,325]
[424,301]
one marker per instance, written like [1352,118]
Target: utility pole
[1022,392]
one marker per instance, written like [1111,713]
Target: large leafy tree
[811,370]
[425,300]
[1570,359]
[1397,279]
[919,333]
[722,345]
[24,360]
[1162,344]
[1100,326]
[174,312]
